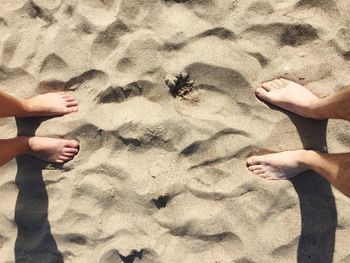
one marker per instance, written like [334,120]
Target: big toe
[72,103]
[72,144]
[263,94]
[254,160]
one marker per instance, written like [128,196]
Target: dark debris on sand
[179,86]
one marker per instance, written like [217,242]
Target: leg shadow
[317,204]
[318,218]
[34,242]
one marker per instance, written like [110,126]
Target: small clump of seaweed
[180,85]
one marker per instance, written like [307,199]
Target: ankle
[308,158]
[25,109]
[23,143]
[26,106]
[318,110]
[33,144]
[300,157]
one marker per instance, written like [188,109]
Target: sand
[162,178]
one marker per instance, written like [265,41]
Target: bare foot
[276,166]
[290,96]
[53,150]
[51,104]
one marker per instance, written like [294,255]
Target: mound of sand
[163,179]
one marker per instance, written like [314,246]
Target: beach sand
[162,178]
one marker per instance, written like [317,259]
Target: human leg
[296,98]
[10,148]
[47,149]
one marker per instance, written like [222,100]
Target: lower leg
[47,149]
[10,148]
[336,106]
[11,106]
[334,167]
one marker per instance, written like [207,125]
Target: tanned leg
[10,148]
[336,106]
[49,104]
[47,149]
[334,167]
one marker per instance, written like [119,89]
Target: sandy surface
[163,179]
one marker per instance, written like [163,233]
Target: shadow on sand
[34,242]
[317,204]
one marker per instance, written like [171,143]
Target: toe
[68,154]
[69,98]
[72,143]
[255,167]
[275,84]
[278,83]
[72,103]
[71,150]
[65,158]
[59,161]
[264,175]
[268,86]
[263,94]
[74,109]
[258,172]
[71,109]
[254,160]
